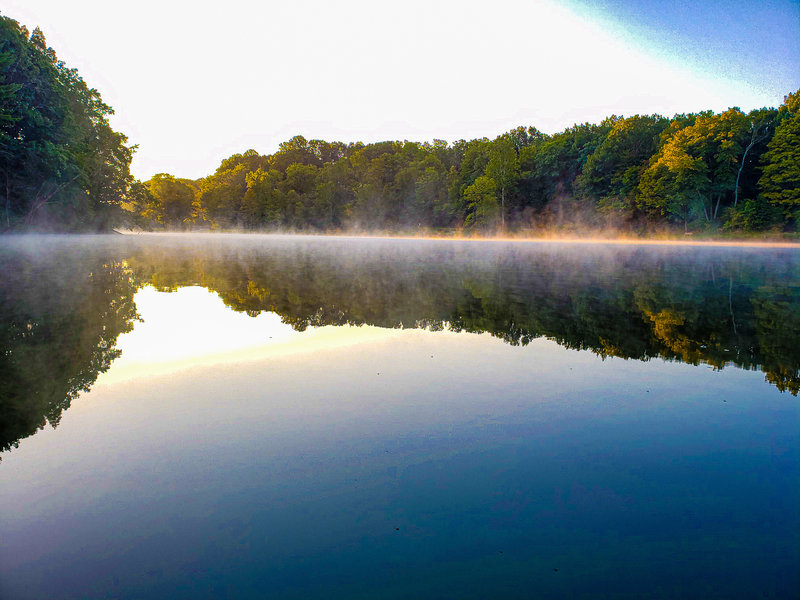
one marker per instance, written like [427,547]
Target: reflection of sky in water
[398,463]
[191,327]
[193,322]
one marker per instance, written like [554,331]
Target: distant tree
[443,152]
[297,150]
[696,169]
[761,126]
[431,194]
[221,195]
[299,187]
[139,208]
[550,166]
[791,103]
[503,168]
[375,168]
[780,180]
[174,200]
[523,137]
[263,204]
[472,161]
[251,160]
[334,193]
[483,209]
[612,171]
[754,214]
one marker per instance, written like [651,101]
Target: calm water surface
[285,417]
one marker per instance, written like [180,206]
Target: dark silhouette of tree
[60,316]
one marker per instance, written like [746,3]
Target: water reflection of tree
[716,307]
[778,313]
[61,313]
[62,307]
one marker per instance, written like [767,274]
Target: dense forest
[706,171]
[62,167]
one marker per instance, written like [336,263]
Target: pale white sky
[195,81]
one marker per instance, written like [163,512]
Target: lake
[246,416]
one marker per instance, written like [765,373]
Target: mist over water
[362,417]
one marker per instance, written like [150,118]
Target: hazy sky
[194,81]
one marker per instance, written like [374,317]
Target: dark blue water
[463,455]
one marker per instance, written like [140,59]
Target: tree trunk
[754,139]
[739,174]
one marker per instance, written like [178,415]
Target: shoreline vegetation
[700,177]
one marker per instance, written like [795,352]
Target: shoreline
[554,239]
[739,243]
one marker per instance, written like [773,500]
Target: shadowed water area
[211,416]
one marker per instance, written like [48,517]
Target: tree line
[63,167]
[705,171]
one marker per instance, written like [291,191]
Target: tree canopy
[703,171]
[61,164]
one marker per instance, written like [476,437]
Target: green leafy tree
[334,193]
[173,200]
[503,168]
[61,164]
[298,150]
[251,160]
[754,214]
[612,171]
[550,166]
[375,169]
[483,209]
[695,171]
[222,194]
[139,208]
[432,195]
[299,187]
[762,126]
[263,204]
[523,137]
[473,156]
[780,179]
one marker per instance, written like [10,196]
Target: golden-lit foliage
[636,176]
